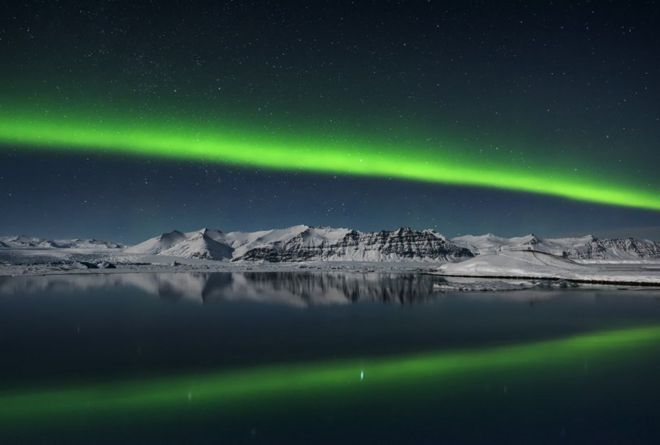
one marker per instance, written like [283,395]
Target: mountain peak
[309,243]
[170,234]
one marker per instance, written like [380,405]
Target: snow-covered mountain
[204,244]
[403,244]
[27,242]
[304,243]
[534,264]
[154,246]
[581,248]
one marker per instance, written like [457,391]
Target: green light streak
[164,138]
[231,388]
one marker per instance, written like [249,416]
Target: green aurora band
[231,389]
[293,151]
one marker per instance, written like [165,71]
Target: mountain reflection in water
[298,289]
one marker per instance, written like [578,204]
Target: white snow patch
[534,264]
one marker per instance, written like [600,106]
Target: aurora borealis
[312,154]
[227,391]
[428,114]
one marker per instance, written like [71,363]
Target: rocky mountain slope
[578,248]
[304,243]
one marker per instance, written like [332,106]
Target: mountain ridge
[32,242]
[309,243]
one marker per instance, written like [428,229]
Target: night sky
[121,120]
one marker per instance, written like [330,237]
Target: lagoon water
[334,357]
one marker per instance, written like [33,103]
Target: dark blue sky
[128,200]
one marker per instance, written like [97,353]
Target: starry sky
[120,120]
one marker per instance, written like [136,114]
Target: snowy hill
[532,264]
[579,248]
[29,242]
[205,244]
[155,246]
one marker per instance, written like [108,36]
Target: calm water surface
[323,358]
